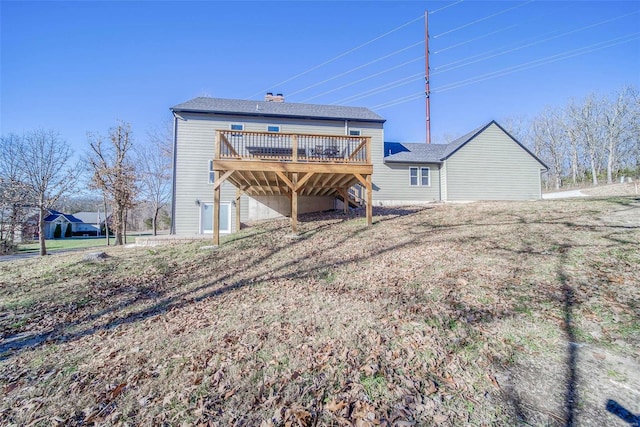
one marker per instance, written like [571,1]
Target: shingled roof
[276,109]
[407,152]
[396,152]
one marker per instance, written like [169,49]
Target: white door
[206,217]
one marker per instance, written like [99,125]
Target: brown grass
[409,322]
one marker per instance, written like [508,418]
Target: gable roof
[53,215]
[276,109]
[438,153]
[90,217]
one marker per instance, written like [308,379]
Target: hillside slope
[474,314]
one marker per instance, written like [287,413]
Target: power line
[474,39]
[539,62]
[484,56]
[335,58]
[520,67]
[388,86]
[355,68]
[370,76]
[482,19]
[445,7]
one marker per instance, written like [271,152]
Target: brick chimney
[270,97]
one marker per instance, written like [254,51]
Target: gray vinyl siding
[195,137]
[443,182]
[392,184]
[492,167]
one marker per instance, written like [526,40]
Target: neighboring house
[83,224]
[54,218]
[92,223]
[255,143]
[485,164]
[271,158]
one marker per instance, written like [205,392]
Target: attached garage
[485,164]
[491,165]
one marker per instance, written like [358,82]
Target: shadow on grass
[623,413]
[14,344]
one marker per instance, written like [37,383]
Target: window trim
[419,176]
[422,176]
[411,169]
[212,174]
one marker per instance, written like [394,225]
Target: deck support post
[216,210]
[344,192]
[294,203]
[238,194]
[369,200]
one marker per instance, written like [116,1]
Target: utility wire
[520,67]
[541,61]
[370,76]
[473,39]
[485,55]
[355,68]
[482,19]
[445,7]
[343,54]
[391,85]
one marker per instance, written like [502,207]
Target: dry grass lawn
[454,314]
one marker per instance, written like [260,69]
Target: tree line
[590,140]
[37,169]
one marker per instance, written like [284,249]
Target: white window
[413,176]
[424,177]
[273,128]
[355,132]
[419,177]
[212,174]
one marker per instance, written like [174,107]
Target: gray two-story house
[264,159]
[242,160]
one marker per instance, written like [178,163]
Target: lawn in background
[73,243]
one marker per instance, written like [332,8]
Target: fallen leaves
[399,324]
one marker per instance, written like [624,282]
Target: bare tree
[618,121]
[586,121]
[154,171]
[551,143]
[45,171]
[114,173]
[12,191]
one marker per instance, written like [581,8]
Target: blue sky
[77,67]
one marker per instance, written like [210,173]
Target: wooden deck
[275,164]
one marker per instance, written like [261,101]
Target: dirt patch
[583,383]
[611,190]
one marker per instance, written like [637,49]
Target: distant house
[83,224]
[270,158]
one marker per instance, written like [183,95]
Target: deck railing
[288,147]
